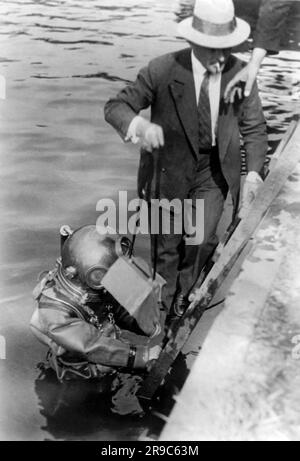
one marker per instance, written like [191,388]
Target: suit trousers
[181,264]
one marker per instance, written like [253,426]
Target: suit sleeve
[270,27]
[80,337]
[120,110]
[254,131]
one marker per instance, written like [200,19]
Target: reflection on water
[61,60]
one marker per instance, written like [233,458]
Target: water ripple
[73,42]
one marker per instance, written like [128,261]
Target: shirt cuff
[132,129]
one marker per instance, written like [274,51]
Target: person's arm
[122,112]
[270,28]
[96,346]
[245,77]
[253,129]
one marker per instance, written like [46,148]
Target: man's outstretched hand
[150,134]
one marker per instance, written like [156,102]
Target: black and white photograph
[150,223]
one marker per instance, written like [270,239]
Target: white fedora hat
[214,25]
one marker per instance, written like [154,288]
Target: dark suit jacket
[167,85]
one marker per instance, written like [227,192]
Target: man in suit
[196,133]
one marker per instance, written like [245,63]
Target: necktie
[204,115]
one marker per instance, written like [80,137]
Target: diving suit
[83,326]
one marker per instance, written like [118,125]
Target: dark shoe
[180,305]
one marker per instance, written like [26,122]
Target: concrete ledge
[245,383]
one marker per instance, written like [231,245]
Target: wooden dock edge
[245,383]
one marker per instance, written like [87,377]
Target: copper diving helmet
[87,254]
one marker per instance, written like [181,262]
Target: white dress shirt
[214,98]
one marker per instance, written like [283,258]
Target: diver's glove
[153,354]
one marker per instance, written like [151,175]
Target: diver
[88,333]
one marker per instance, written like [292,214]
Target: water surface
[62,60]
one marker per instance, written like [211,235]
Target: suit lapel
[182,88]
[183,92]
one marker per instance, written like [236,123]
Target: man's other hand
[151,135]
[252,183]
